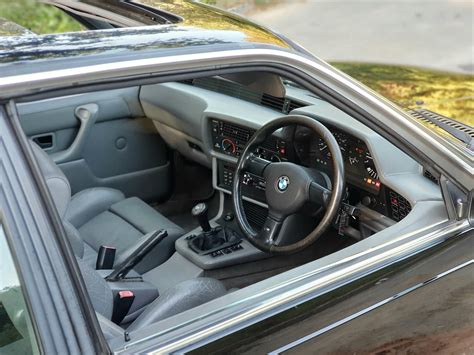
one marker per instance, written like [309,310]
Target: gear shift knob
[200,212]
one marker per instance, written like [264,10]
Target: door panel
[414,306]
[124,146]
[102,139]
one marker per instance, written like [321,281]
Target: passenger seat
[103,216]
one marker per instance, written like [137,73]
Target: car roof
[101,46]
[197,25]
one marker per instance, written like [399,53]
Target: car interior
[174,194]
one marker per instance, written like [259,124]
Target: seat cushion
[124,225]
[185,295]
[89,203]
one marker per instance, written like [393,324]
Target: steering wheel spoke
[319,194]
[256,165]
[271,229]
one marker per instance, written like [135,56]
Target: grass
[449,94]
[37,17]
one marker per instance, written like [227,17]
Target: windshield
[447,97]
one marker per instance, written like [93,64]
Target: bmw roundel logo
[282,183]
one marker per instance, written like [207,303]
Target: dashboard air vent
[430,176]
[293,105]
[276,103]
[238,133]
[226,87]
[280,104]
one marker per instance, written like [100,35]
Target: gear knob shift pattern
[201,213]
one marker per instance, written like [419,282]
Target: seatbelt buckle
[105,258]
[122,304]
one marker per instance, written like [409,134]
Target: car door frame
[62,316]
[350,94]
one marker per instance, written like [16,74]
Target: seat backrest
[60,190]
[57,182]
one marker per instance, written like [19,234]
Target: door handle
[87,115]
[45,141]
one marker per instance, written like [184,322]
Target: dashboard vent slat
[226,87]
[276,103]
[430,176]
[236,132]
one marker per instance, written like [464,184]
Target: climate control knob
[228,146]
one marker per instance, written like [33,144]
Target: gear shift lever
[200,212]
[210,240]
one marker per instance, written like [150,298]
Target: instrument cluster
[358,161]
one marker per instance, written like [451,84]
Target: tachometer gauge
[370,166]
[341,139]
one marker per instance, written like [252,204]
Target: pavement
[435,34]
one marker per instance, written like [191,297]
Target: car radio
[253,186]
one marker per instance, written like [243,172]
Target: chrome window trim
[446,153]
[182,337]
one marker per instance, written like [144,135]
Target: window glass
[16,332]
[36,17]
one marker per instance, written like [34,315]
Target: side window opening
[16,331]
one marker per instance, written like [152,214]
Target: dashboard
[212,128]
[302,146]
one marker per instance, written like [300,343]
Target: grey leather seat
[185,295]
[103,216]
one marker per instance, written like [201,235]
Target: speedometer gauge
[370,166]
[323,149]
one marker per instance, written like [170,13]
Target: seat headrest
[57,182]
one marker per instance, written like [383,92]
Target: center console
[220,243]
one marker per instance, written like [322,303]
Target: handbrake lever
[121,271]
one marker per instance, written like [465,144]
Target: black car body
[406,286]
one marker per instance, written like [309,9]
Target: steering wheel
[289,187]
